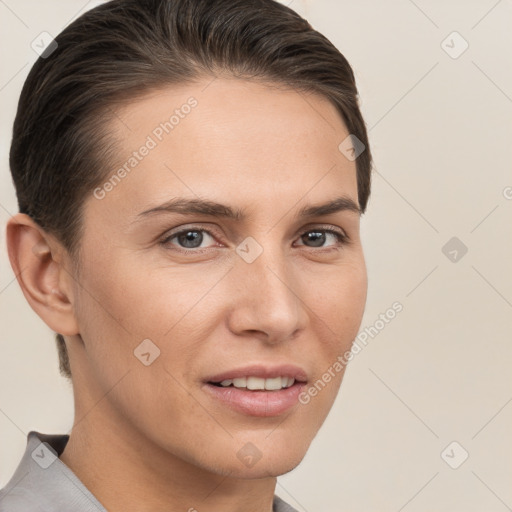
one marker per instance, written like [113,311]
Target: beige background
[441,133]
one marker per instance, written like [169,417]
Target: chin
[253,460]
[274,459]
[264,469]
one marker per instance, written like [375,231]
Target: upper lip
[262,371]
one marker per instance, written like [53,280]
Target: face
[187,309]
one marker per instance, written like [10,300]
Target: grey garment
[43,483]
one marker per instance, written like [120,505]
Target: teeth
[258,383]
[241,382]
[276,383]
[255,383]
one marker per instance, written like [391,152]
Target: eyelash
[342,238]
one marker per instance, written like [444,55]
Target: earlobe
[37,260]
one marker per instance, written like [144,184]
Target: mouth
[257,390]
[257,383]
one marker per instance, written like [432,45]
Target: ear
[38,261]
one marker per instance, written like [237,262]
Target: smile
[257,390]
[258,383]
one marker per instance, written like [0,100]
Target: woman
[190,177]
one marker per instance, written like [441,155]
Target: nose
[267,301]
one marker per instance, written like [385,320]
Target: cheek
[124,295]
[339,299]
[337,315]
[127,302]
[117,312]
[111,309]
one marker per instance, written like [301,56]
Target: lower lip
[257,403]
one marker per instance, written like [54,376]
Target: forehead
[228,139]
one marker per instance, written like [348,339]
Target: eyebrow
[214,209]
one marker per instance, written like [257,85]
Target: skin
[148,438]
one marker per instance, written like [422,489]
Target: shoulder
[17,496]
[43,483]
[281,505]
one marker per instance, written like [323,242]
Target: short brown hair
[60,150]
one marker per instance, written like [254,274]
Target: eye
[318,237]
[191,240]
[188,238]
